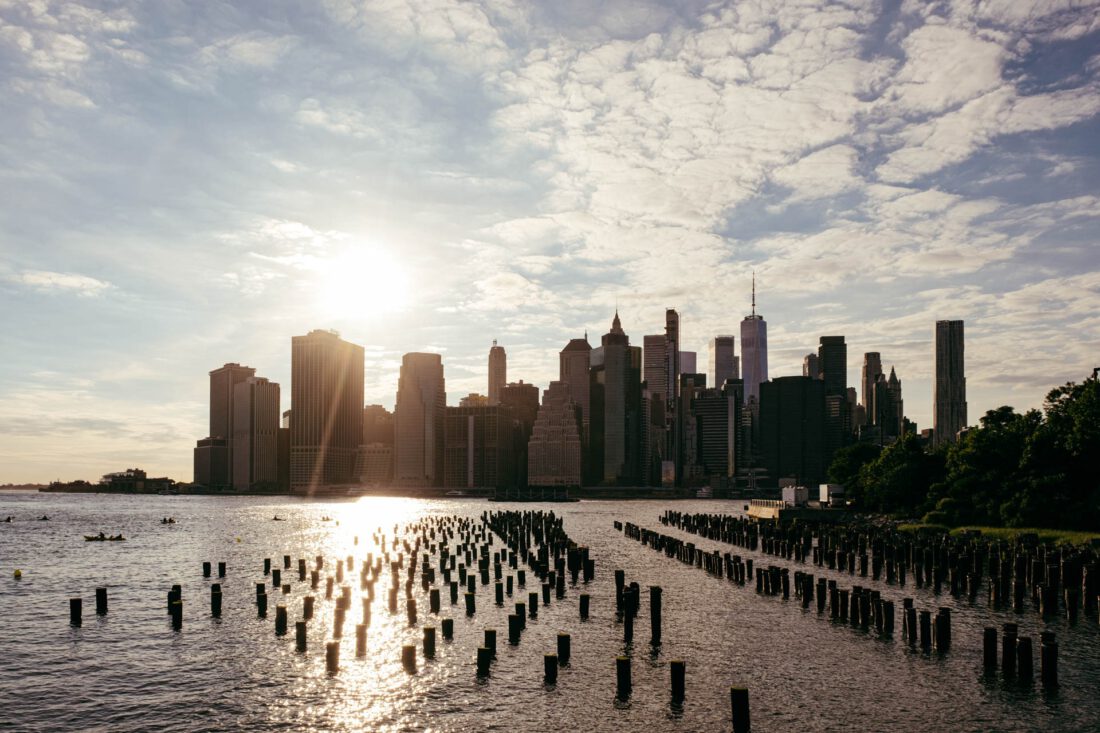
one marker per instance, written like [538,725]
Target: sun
[361,280]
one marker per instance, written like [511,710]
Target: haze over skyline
[189,185]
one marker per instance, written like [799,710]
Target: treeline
[1036,469]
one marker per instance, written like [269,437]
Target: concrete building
[211,461]
[573,362]
[479,447]
[616,442]
[374,465]
[554,455]
[792,428]
[811,366]
[872,370]
[326,400]
[419,415]
[256,438]
[723,362]
[498,372]
[223,382]
[688,362]
[949,388]
[832,357]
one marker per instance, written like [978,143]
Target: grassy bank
[1057,536]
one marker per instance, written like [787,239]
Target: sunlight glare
[361,281]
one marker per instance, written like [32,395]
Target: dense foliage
[1017,470]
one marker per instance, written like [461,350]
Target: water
[129,671]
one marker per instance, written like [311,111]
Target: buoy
[18,573]
[238,540]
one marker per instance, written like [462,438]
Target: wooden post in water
[448,625]
[533,604]
[300,635]
[1008,650]
[1049,657]
[1024,658]
[564,648]
[491,641]
[484,659]
[75,610]
[550,668]
[622,677]
[654,615]
[989,648]
[177,613]
[332,657]
[513,628]
[206,569]
[280,620]
[216,600]
[739,707]
[678,680]
[221,570]
[429,642]
[408,658]
[101,601]
[585,603]
[470,604]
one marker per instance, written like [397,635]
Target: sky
[187,184]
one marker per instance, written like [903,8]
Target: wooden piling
[408,658]
[1049,658]
[221,570]
[622,677]
[564,648]
[677,670]
[470,604]
[989,648]
[300,635]
[550,668]
[429,642]
[75,611]
[484,659]
[101,601]
[584,606]
[448,625]
[280,620]
[206,569]
[654,614]
[739,708]
[1024,663]
[332,657]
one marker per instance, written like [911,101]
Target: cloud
[66,282]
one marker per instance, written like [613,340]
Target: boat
[104,538]
[456,492]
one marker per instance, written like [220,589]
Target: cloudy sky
[185,184]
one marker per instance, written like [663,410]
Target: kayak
[96,538]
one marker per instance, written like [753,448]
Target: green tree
[846,465]
[898,481]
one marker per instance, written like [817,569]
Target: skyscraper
[498,372]
[811,366]
[418,421]
[479,447]
[754,351]
[554,451]
[872,368]
[832,357]
[672,354]
[256,434]
[687,362]
[655,364]
[888,407]
[223,382]
[573,363]
[793,432]
[723,363]
[949,391]
[326,403]
[616,441]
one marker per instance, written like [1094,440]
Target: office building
[872,369]
[832,358]
[479,447]
[573,362]
[256,434]
[949,387]
[498,372]
[811,366]
[793,428]
[211,462]
[223,382]
[687,362]
[754,351]
[418,421]
[554,451]
[326,401]
[723,362]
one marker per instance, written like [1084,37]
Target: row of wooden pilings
[861,607]
[1055,579]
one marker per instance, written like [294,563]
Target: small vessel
[277,518]
[168,520]
[104,538]
[455,492]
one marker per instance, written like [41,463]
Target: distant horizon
[191,186]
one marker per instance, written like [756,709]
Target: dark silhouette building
[949,388]
[419,414]
[479,447]
[792,428]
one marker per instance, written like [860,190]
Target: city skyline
[193,189]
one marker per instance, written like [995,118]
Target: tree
[846,465]
[898,480]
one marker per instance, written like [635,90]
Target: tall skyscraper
[832,357]
[326,403]
[723,363]
[754,351]
[573,363]
[672,354]
[616,441]
[256,434]
[223,382]
[872,368]
[418,421]
[888,407]
[811,366]
[479,447]
[655,364]
[522,399]
[688,362]
[374,464]
[949,391]
[498,372]
[554,451]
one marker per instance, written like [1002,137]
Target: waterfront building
[375,464]
[256,434]
[949,388]
[223,382]
[377,425]
[792,429]
[615,387]
[418,421]
[554,452]
[498,372]
[326,399]
[479,447]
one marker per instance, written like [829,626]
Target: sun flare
[362,280]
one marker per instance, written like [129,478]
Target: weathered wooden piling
[470,604]
[564,648]
[301,569]
[448,628]
[300,635]
[216,600]
[280,620]
[533,604]
[499,589]
[332,657]
[585,603]
[739,709]
[654,614]
[1048,652]
[521,611]
[101,601]
[410,610]
[408,658]
[75,610]
[989,648]
[677,670]
[261,605]
[1008,650]
[267,566]
[484,661]
[206,569]
[622,677]
[926,630]
[491,641]
[177,614]
[514,628]
[221,569]
[1024,659]
[429,642]
[550,668]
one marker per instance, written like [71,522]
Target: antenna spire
[754,292]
